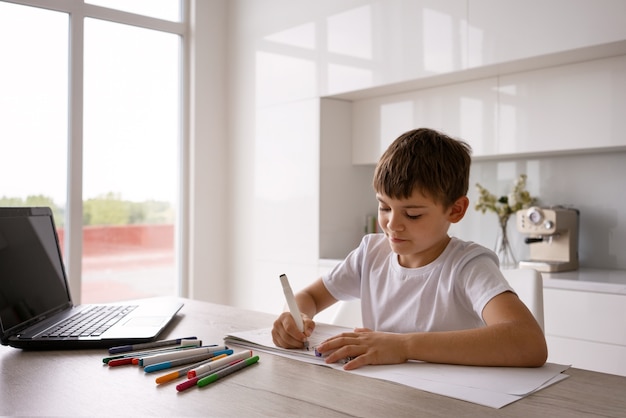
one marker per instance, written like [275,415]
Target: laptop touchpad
[145,321]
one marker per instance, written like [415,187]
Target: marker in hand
[293,306]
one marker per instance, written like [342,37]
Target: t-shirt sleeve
[483,281]
[344,280]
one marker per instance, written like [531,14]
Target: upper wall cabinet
[558,103]
[344,46]
[505,30]
[381,42]
[377,43]
[568,108]
[464,110]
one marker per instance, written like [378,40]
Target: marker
[133,358]
[344,361]
[183,371]
[120,362]
[137,357]
[293,306]
[137,354]
[185,360]
[174,355]
[191,382]
[155,344]
[228,370]
[213,365]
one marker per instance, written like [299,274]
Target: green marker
[228,370]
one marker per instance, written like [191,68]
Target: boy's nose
[394,223]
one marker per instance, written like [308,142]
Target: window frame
[77,11]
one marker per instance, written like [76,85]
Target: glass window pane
[161,9]
[130,166]
[33,108]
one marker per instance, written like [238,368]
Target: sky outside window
[33,103]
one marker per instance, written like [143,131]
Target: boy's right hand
[286,334]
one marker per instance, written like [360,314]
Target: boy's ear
[458,209]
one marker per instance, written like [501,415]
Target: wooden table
[71,383]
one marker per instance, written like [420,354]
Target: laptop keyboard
[91,322]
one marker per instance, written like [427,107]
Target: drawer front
[599,357]
[595,317]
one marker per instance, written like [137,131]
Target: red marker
[194,380]
[120,361]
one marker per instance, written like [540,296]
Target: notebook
[35,296]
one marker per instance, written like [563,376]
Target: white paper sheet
[489,386]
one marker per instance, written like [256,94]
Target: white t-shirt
[447,294]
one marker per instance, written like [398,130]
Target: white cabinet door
[382,42]
[550,110]
[463,110]
[586,329]
[506,30]
[588,355]
[570,107]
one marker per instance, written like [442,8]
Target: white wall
[284,54]
[207,213]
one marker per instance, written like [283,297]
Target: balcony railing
[126,262]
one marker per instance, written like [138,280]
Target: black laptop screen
[32,280]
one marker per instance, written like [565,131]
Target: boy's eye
[413,216]
[381,209]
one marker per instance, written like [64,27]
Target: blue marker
[186,360]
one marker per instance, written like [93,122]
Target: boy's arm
[314,298]
[512,337]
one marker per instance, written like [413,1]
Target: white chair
[527,283]
[348,314]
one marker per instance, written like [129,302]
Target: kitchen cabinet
[573,107]
[464,110]
[507,30]
[585,314]
[378,43]
[561,103]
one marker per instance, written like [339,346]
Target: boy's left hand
[364,346]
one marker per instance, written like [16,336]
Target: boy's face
[417,227]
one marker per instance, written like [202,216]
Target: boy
[424,295]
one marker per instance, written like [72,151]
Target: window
[33,108]
[130,136]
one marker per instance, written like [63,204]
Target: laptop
[35,297]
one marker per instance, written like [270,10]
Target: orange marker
[183,372]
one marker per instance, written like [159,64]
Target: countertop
[587,280]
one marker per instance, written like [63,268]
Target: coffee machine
[552,237]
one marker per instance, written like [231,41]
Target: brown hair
[429,161]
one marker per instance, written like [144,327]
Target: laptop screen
[29,258]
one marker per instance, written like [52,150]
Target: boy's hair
[429,161]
